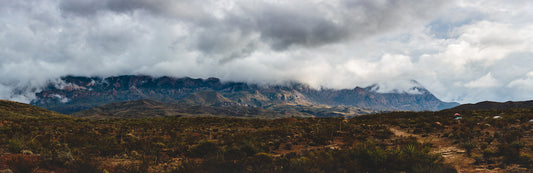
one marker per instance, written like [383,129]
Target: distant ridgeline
[488,105]
[72,94]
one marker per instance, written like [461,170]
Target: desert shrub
[21,162]
[288,146]
[511,153]
[383,133]
[370,157]
[261,162]
[469,146]
[188,166]
[87,165]
[15,145]
[204,149]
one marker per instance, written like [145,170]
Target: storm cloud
[465,51]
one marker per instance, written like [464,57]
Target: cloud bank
[465,51]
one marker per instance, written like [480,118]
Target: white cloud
[525,83]
[486,81]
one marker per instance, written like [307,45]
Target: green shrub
[204,149]
[21,162]
[15,145]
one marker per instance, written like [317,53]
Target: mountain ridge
[76,93]
[491,105]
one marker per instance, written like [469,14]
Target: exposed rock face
[74,94]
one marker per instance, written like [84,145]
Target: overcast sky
[461,50]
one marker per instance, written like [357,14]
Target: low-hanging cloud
[461,51]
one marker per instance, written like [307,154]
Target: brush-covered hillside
[482,141]
[11,110]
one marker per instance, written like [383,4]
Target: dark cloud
[281,25]
[186,10]
[83,7]
[310,25]
[284,26]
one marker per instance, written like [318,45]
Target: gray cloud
[280,25]
[307,24]
[461,51]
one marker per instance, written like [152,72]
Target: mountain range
[173,96]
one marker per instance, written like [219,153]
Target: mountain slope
[488,105]
[208,98]
[148,108]
[73,94]
[10,109]
[131,109]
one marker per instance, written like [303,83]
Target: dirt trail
[451,154]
